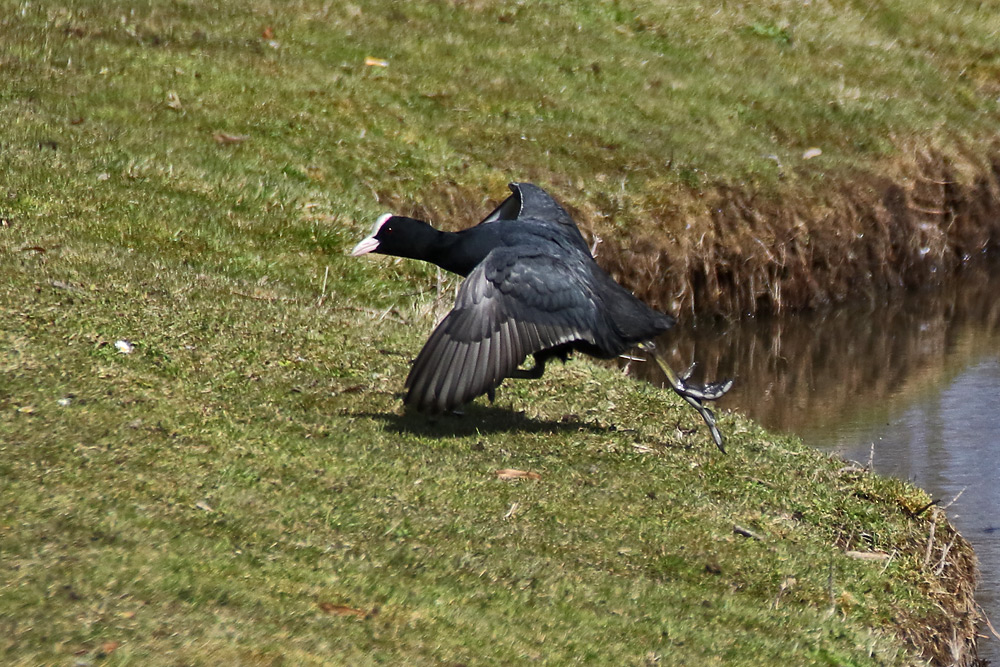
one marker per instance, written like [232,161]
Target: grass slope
[213,496]
[242,488]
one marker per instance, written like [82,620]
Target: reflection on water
[918,376]
[947,442]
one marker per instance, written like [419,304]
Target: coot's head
[395,235]
[376,239]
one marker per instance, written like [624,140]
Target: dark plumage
[532,287]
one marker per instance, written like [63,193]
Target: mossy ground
[243,488]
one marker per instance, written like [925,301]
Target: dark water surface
[913,383]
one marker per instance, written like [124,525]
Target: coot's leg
[532,373]
[694,395]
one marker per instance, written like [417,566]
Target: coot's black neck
[458,252]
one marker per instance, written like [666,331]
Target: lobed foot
[694,395]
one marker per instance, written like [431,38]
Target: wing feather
[516,302]
[463,383]
[528,202]
[443,353]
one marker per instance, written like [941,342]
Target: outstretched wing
[518,301]
[531,203]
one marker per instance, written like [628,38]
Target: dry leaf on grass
[868,555]
[511,473]
[174,101]
[224,138]
[376,62]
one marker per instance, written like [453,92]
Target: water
[912,383]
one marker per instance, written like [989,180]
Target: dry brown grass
[729,250]
[918,222]
[951,568]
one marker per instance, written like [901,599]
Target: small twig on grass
[380,314]
[982,612]
[944,558]
[593,246]
[740,530]
[829,587]
[930,539]
[392,528]
[262,298]
[928,211]
[785,585]
[952,501]
[867,555]
[419,292]
[322,294]
[762,482]
[385,314]
[888,562]
[933,181]
[916,513]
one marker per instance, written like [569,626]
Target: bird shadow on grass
[480,419]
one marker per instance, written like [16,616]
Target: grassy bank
[242,487]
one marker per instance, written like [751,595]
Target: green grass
[210,498]
[200,499]
[621,104]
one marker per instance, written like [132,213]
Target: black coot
[531,287]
